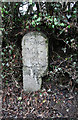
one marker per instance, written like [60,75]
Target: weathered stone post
[35,60]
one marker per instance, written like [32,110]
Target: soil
[50,102]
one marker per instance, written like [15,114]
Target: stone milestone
[35,60]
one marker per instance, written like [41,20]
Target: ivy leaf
[6,12]
[33,23]
[56,23]
[2,53]
[35,16]
[44,101]
[74,12]
[27,27]
[59,69]
[52,26]
[16,3]
[68,26]
[38,19]
[3,64]
[66,58]
[19,98]
[2,15]
[62,24]
[7,65]
[38,28]
[68,16]
[10,51]
[51,19]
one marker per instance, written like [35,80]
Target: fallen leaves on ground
[44,103]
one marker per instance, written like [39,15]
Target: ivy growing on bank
[59,22]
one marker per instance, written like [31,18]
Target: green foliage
[57,22]
[11,63]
